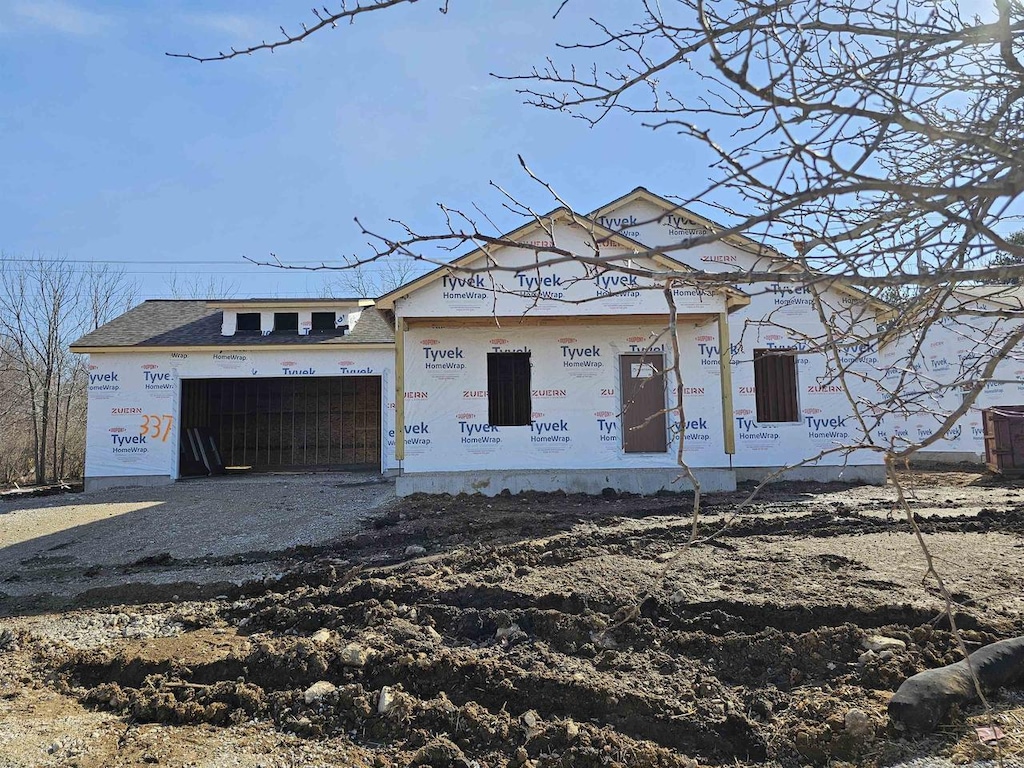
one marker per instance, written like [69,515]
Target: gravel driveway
[193,533]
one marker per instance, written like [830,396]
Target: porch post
[725,369]
[400,389]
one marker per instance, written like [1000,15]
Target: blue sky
[113,151]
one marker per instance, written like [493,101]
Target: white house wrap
[519,367]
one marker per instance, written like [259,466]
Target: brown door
[643,403]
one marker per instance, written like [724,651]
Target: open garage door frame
[328,423]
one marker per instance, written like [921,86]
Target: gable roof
[734,296]
[740,241]
[197,323]
[642,194]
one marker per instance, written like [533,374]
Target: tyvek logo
[749,430]
[622,224]
[709,353]
[607,426]
[288,369]
[617,223]
[154,379]
[463,288]
[348,367]
[696,430]
[787,295]
[472,433]
[858,353]
[613,283]
[827,428]
[581,357]
[455,283]
[549,431]
[103,382]
[417,433]
[450,358]
[536,283]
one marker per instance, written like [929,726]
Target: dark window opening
[286,321]
[508,389]
[248,321]
[775,385]
[323,322]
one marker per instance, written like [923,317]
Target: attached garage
[287,423]
[186,388]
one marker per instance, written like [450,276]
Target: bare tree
[196,287]
[368,281]
[46,304]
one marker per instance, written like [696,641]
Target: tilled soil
[547,630]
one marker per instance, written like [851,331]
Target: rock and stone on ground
[542,630]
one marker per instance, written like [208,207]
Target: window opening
[248,321]
[508,389]
[323,322]
[286,321]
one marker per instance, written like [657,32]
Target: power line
[22,260]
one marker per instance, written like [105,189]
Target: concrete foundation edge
[589,481]
[924,458]
[869,474]
[128,481]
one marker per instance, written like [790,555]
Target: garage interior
[273,424]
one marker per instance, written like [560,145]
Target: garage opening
[329,423]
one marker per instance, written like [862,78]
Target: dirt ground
[542,630]
[191,538]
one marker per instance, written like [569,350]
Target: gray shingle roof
[194,323]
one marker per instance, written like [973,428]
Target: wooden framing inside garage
[326,423]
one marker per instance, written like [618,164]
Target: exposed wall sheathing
[135,416]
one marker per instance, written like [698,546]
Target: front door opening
[643,403]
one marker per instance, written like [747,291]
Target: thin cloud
[57,16]
[243,29]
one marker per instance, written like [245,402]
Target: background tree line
[45,304]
